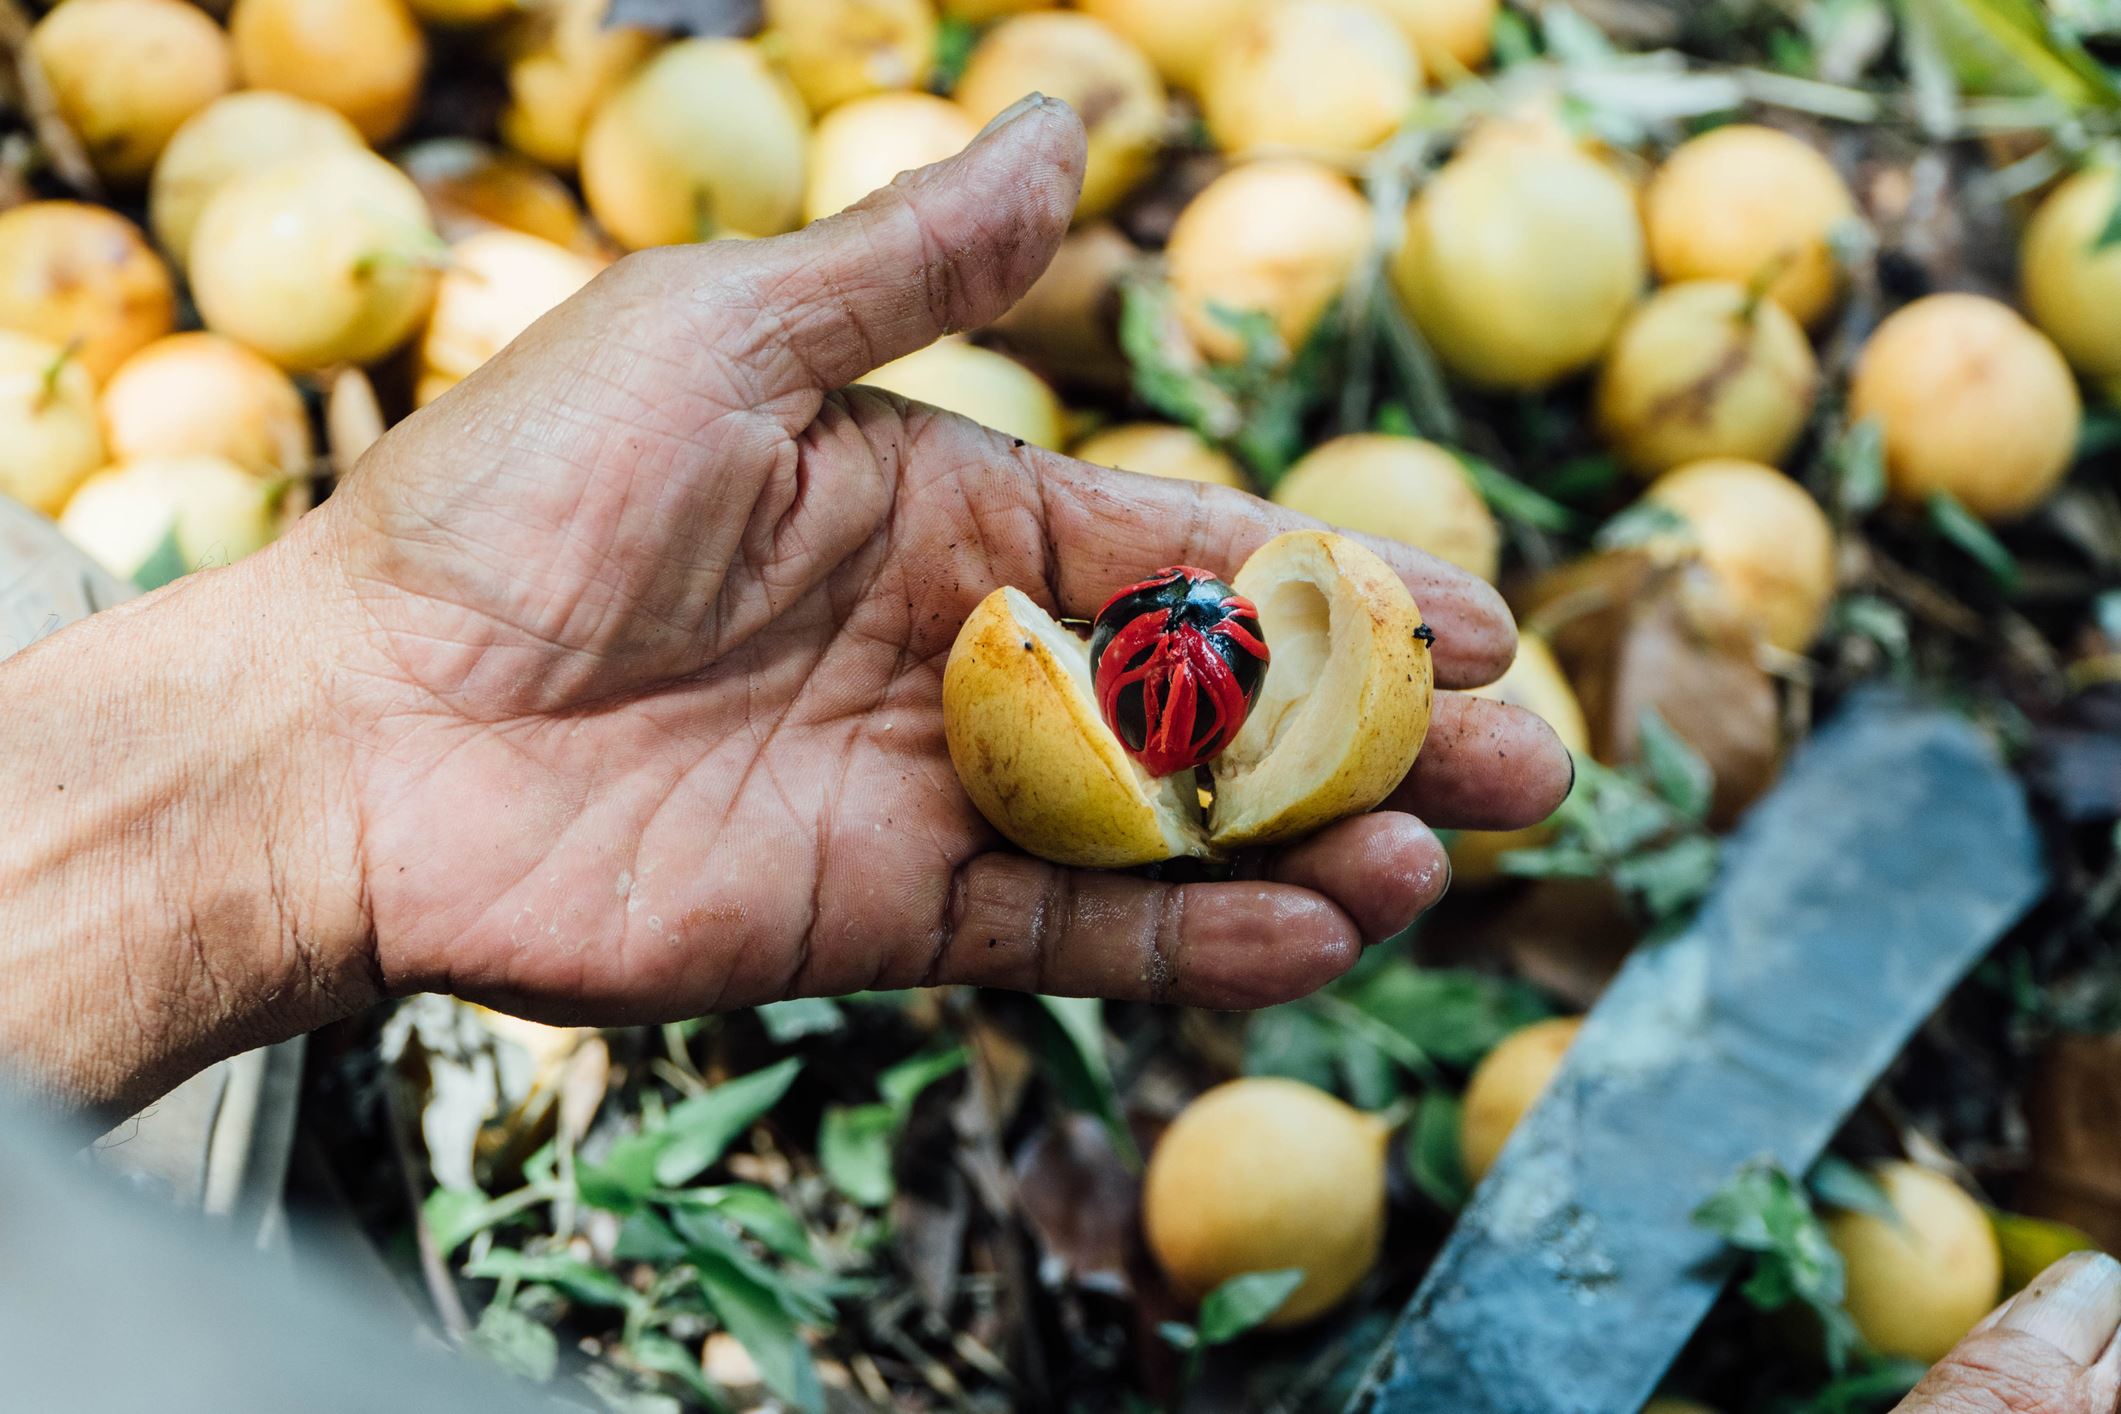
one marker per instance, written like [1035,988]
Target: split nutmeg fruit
[1302,688]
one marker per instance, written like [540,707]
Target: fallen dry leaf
[1638,636]
[1080,1201]
[2073,1109]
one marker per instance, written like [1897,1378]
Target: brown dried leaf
[1565,936]
[472,187]
[1636,636]
[928,1233]
[2073,1110]
[62,146]
[1079,1200]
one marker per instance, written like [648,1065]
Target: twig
[434,1270]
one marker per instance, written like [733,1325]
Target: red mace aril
[1178,661]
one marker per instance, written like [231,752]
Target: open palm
[645,627]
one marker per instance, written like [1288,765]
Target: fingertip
[1257,945]
[1384,870]
[1486,766]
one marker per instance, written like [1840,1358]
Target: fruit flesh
[1263,1175]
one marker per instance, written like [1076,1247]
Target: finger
[941,249]
[1385,870]
[1024,924]
[1106,529]
[2036,1353]
[1485,766]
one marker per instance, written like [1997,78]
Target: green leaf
[954,41]
[1838,1183]
[1857,461]
[1672,879]
[1962,528]
[1242,1302]
[757,1212]
[1434,1159]
[626,1174]
[1073,1047]
[660,1355]
[1879,620]
[1763,1211]
[524,1347]
[903,1083]
[854,1146]
[165,564]
[755,1315]
[1167,376]
[1514,42]
[455,1215]
[1676,771]
[1643,523]
[701,1129]
[798,1017]
[646,1237]
[1512,499]
[1453,1015]
[2008,47]
[1292,1042]
[709,1236]
[1178,1335]
[580,1280]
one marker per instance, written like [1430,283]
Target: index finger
[1106,529]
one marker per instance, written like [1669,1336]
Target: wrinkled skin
[2051,1349]
[668,619]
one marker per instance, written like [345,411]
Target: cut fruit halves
[1337,725]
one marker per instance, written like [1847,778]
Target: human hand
[617,670]
[2051,1349]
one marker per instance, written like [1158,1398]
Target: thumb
[942,249]
[2048,1350]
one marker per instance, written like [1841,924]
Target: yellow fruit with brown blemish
[125,74]
[1176,35]
[1268,1175]
[1974,402]
[705,139]
[240,133]
[1520,262]
[1278,237]
[364,58]
[1921,1279]
[1402,488]
[835,50]
[1536,683]
[1755,206]
[2071,274]
[49,438]
[1111,86]
[1701,369]
[1330,78]
[1068,322]
[84,278]
[317,260]
[861,145]
[497,285]
[1161,449]
[1762,535]
[200,393]
[1506,1084]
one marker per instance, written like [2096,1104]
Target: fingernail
[1014,111]
[2075,1305]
